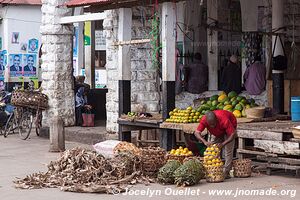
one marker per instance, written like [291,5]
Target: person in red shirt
[222,124]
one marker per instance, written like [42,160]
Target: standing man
[231,78]
[197,76]
[222,124]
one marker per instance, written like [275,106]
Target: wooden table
[274,144]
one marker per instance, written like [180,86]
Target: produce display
[230,102]
[213,164]
[189,115]
[181,152]
[137,114]
[189,173]
[212,156]
[166,173]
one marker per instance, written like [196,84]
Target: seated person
[255,77]
[81,105]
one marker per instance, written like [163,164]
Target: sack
[279,62]
[88,120]
[106,148]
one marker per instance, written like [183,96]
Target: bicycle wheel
[25,125]
[10,125]
[38,122]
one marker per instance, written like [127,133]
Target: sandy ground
[19,158]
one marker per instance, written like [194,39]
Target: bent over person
[222,124]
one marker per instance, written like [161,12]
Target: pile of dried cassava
[81,170]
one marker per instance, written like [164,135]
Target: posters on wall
[100,41]
[0,43]
[15,38]
[33,45]
[3,62]
[22,65]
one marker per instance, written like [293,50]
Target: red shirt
[226,124]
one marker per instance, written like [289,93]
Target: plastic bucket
[295,109]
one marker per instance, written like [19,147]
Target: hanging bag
[279,62]
[88,119]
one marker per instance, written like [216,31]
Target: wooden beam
[278,147]
[82,18]
[131,42]
[266,135]
[290,161]
[244,151]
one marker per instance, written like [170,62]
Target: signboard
[87,33]
[100,41]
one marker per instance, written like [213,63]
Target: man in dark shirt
[16,64]
[197,76]
[231,79]
[222,124]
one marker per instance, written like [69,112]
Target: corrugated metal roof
[74,3]
[21,2]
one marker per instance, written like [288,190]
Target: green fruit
[214,97]
[209,103]
[220,107]
[203,102]
[233,99]
[244,101]
[239,98]
[224,100]
[244,113]
[190,173]
[227,103]
[213,108]
[238,107]
[232,94]
[214,103]
[234,103]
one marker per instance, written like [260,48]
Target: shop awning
[21,2]
[100,5]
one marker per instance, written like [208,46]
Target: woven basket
[242,168]
[31,99]
[214,174]
[152,159]
[180,158]
[256,112]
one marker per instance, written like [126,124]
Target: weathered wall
[143,85]
[57,62]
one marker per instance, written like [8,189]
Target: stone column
[57,63]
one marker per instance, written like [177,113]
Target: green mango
[214,97]
[232,94]
[238,107]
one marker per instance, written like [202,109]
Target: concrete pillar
[212,45]
[168,69]
[57,135]
[124,66]
[57,59]
[80,44]
[89,57]
[278,75]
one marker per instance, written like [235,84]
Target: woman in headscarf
[80,105]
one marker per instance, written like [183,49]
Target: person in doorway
[16,64]
[81,105]
[255,77]
[197,76]
[231,76]
[222,125]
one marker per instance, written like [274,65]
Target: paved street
[19,158]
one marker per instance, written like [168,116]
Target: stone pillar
[212,48]
[57,78]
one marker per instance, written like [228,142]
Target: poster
[0,43]
[23,47]
[29,68]
[15,38]
[100,40]
[75,43]
[2,84]
[33,45]
[15,68]
[87,33]
[3,62]
[36,82]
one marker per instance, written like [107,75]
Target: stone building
[145,89]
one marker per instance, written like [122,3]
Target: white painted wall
[25,19]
